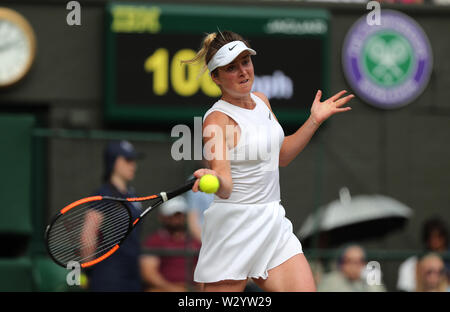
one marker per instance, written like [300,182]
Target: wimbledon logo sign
[387,65]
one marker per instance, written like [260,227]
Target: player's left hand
[200,173]
[321,111]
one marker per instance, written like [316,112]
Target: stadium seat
[49,276]
[15,190]
[16,275]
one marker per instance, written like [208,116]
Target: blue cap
[115,149]
[120,148]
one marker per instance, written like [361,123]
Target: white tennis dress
[248,234]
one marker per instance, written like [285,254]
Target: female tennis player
[245,232]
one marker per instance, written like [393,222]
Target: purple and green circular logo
[387,65]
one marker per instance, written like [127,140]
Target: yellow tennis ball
[209,183]
[83,281]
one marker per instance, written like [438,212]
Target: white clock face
[15,52]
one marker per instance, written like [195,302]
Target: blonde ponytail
[201,54]
[210,45]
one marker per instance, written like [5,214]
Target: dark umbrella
[353,219]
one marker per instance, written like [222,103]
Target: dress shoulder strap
[226,108]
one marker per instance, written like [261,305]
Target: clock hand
[8,44]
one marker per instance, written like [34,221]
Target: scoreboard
[145,80]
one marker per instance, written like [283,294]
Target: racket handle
[186,187]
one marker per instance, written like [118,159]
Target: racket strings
[77,219]
[80,245]
[80,241]
[88,231]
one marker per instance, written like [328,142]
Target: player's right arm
[216,144]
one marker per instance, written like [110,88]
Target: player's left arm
[320,111]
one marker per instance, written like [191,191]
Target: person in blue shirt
[197,203]
[121,271]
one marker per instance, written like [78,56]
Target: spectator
[349,276]
[435,239]
[197,202]
[120,272]
[431,275]
[172,272]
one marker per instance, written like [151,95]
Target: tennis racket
[91,229]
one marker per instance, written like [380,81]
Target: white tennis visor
[227,54]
